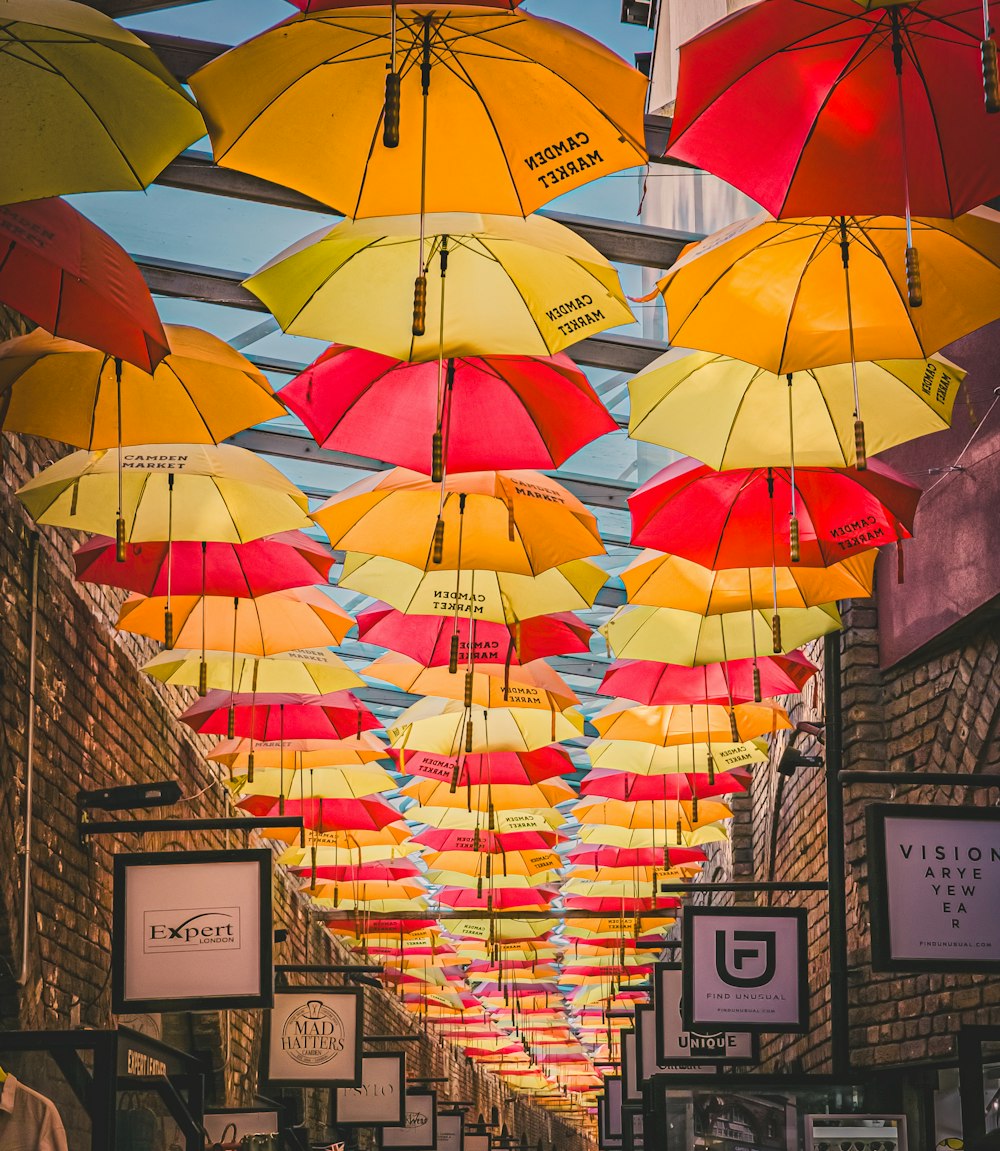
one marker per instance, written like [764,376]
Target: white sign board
[449,1131]
[745,969]
[675,1044]
[645,1046]
[312,1037]
[420,1132]
[378,1101]
[242,1122]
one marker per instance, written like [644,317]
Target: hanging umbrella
[460,839]
[640,758]
[643,788]
[275,563]
[647,816]
[731,519]
[386,867]
[508,863]
[330,5]
[667,725]
[446,726]
[616,836]
[300,672]
[67,275]
[520,522]
[725,683]
[429,639]
[731,414]
[321,783]
[429,109]
[490,882]
[499,796]
[876,110]
[496,767]
[388,846]
[97,111]
[299,753]
[642,857]
[329,814]
[530,685]
[372,405]
[458,819]
[496,597]
[275,715]
[526,287]
[501,899]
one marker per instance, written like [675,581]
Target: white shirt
[29,1121]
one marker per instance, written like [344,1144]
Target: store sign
[745,969]
[192,931]
[246,1124]
[934,880]
[378,1101]
[477,1141]
[632,1088]
[864,1132]
[613,1109]
[605,1140]
[312,1037]
[647,1064]
[449,1131]
[420,1131]
[675,1044]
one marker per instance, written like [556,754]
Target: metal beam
[220,286]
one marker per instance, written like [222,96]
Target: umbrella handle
[390,124]
[793,539]
[776,633]
[991,75]
[419,305]
[914,293]
[250,773]
[203,678]
[453,655]
[860,451]
[168,627]
[437,457]
[756,689]
[437,545]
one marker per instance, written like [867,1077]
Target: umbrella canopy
[493,842]
[459,819]
[299,753]
[690,639]
[443,726]
[200,393]
[646,816]
[714,303]
[520,522]
[319,783]
[302,672]
[496,597]
[171,491]
[502,899]
[428,638]
[282,621]
[97,109]
[731,414]
[499,796]
[70,277]
[659,580]
[371,405]
[461,140]
[276,563]
[732,519]
[639,788]
[642,857]
[724,683]
[530,685]
[508,863]
[668,725]
[275,715]
[852,110]
[497,767]
[526,287]
[328,814]
[618,836]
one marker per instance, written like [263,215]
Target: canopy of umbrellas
[438,130]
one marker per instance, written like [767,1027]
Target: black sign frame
[340,992]
[694,1060]
[606,1141]
[431,1144]
[397,1056]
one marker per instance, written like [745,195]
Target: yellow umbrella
[497,597]
[95,108]
[499,929]
[528,863]
[533,684]
[614,835]
[303,671]
[491,882]
[299,753]
[641,874]
[500,796]
[664,725]
[380,110]
[446,725]
[731,414]
[619,928]
[668,635]
[460,819]
[519,521]
[514,286]
[688,815]
[345,842]
[367,890]
[200,393]
[322,783]
[267,625]
[328,856]
[411,905]
[641,758]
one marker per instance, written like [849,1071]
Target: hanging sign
[613,1106]
[420,1131]
[605,1140]
[745,969]
[312,1037]
[191,931]
[379,1099]
[646,1062]
[632,1087]
[934,881]
[675,1044]
[450,1131]
[477,1141]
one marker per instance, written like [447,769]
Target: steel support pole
[840,1051]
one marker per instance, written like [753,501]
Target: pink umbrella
[636,788]
[428,638]
[327,814]
[489,842]
[503,899]
[385,869]
[497,767]
[716,683]
[280,716]
[590,856]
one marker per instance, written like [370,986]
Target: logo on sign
[191,929]
[416,1119]
[745,958]
[313,1034]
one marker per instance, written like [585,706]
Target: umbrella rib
[798,292]
[826,404]
[912,53]
[904,303]
[197,410]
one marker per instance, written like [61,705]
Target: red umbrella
[489,842]
[683,786]
[384,869]
[63,272]
[274,563]
[503,898]
[428,638]
[617,906]
[828,109]
[738,518]
[469,414]
[497,767]
[327,814]
[719,683]
[280,716]
[591,856]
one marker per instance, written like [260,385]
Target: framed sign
[675,1044]
[245,1121]
[312,1037]
[477,1141]
[934,882]
[191,931]
[646,1064]
[420,1131]
[631,1084]
[605,1140]
[745,968]
[450,1130]
[379,1099]
[632,1125]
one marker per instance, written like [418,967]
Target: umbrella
[496,767]
[429,638]
[366,847]
[275,563]
[690,815]
[446,725]
[499,796]
[506,863]
[66,274]
[493,842]
[280,714]
[515,287]
[496,597]
[729,519]
[520,522]
[617,836]
[459,819]
[500,899]
[328,814]
[96,108]
[428,109]
[638,788]
[372,405]
[725,683]
[322,783]
[301,672]
[731,414]
[667,725]
[620,857]
[299,753]
[329,5]
[825,107]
